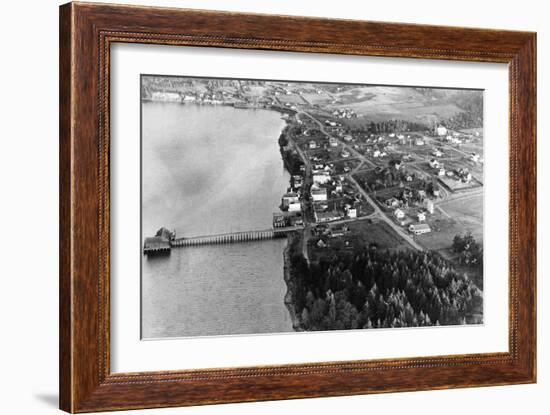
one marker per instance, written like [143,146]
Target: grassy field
[291,99]
[453,218]
[469,212]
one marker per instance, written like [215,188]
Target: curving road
[383,216]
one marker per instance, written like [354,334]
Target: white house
[421,216]
[295,207]
[392,202]
[312,144]
[376,153]
[352,213]
[429,205]
[333,142]
[440,130]
[398,213]
[419,228]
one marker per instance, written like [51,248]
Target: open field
[469,212]
[291,99]
[452,218]
[317,99]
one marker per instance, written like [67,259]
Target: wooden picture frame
[86,33]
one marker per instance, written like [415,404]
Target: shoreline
[236,105]
[290,291]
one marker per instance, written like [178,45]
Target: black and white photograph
[274,206]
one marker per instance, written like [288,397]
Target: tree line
[373,289]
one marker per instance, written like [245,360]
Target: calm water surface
[208,170]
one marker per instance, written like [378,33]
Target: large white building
[295,207]
[419,228]
[321,178]
[319,195]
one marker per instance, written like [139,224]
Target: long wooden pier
[234,237]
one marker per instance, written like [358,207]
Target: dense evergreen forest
[371,289]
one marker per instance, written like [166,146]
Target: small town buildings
[280,219]
[398,213]
[289,198]
[437,153]
[333,142]
[421,216]
[312,144]
[441,131]
[321,178]
[429,204]
[321,244]
[352,213]
[348,138]
[419,228]
[338,231]
[345,154]
[392,202]
[436,192]
[474,157]
[328,216]
[339,187]
[376,153]
[441,172]
[295,207]
[296,220]
[434,164]
[297,181]
[397,165]
[419,142]
[319,194]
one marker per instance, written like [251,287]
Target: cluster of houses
[325,233]
[454,137]
[461,174]
[400,204]
[344,113]
[291,205]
